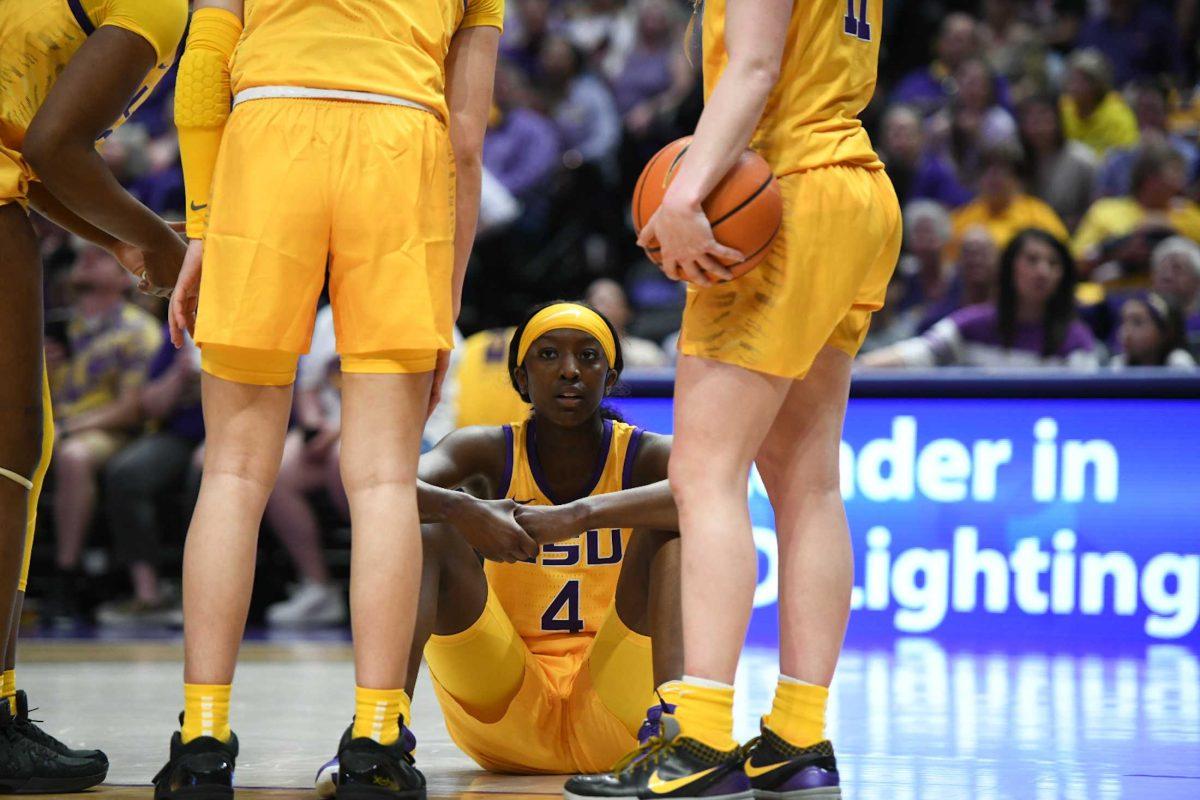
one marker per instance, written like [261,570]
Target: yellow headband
[574,317]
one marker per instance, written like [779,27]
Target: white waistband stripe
[306,93]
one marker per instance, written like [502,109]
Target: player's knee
[358,478]
[439,542]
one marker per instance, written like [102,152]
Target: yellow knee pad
[248,365]
[390,362]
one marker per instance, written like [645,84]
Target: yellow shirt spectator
[1023,212]
[1112,124]
[1118,216]
[109,356]
[485,392]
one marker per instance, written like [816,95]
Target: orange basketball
[745,209]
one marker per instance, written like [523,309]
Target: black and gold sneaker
[30,767]
[368,770]
[778,770]
[31,731]
[202,769]
[667,765]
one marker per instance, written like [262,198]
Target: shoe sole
[747,795]
[197,793]
[52,785]
[357,792]
[823,793]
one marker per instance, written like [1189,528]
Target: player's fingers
[713,268]
[647,237]
[176,322]
[692,273]
[727,255]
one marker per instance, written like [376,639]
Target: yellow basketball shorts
[15,176]
[571,713]
[827,272]
[361,192]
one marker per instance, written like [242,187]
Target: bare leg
[382,417]
[799,467]
[722,414]
[20,393]
[14,634]
[74,499]
[648,600]
[291,515]
[246,426]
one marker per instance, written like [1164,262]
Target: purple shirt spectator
[522,151]
[971,337]
[1137,37]
[587,119]
[647,74]
[934,178]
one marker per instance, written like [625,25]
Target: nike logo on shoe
[659,786]
[757,772]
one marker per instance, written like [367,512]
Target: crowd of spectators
[1045,153]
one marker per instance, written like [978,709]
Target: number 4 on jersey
[567,599]
[859,27]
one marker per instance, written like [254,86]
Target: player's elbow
[48,149]
[756,72]
[467,144]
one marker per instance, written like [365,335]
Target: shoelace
[651,741]
[651,751]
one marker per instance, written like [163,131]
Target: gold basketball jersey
[827,76]
[558,600]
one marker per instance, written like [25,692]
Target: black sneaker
[202,769]
[667,765]
[368,770]
[781,771]
[28,767]
[31,731]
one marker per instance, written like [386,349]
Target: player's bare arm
[476,453]
[91,93]
[755,34]
[647,506]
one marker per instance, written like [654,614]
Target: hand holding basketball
[720,239]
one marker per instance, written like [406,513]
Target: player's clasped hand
[181,315]
[546,524]
[688,249]
[491,528]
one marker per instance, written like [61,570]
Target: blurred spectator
[973,122]
[1151,102]
[655,66]
[917,172]
[579,103]
[1002,207]
[148,472]
[973,278]
[604,29]
[1137,36]
[1057,170]
[1033,322]
[1151,335]
[521,148]
[1092,112]
[1005,36]
[930,88]
[923,271]
[524,33]
[96,384]
[1176,277]
[1120,232]
[309,466]
[485,393]
[609,299]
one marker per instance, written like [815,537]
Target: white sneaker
[311,605]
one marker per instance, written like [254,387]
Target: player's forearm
[73,172]
[435,504]
[726,126]
[468,183]
[650,506]
[52,209]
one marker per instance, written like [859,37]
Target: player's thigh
[382,419]
[392,244]
[268,238]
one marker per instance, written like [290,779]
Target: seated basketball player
[71,71]
[544,659]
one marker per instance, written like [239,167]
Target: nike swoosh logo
[757,772]
[659,786]
[198,207]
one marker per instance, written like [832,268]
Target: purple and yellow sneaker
[666,764]
[781,771]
